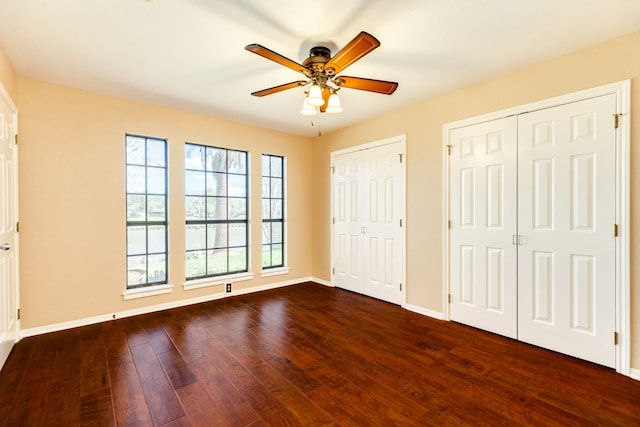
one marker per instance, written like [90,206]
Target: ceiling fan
[321,71]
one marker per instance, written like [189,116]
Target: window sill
[218,280]
[147,291]
[274,271]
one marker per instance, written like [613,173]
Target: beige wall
[610,62]
[8,77]
[72,201]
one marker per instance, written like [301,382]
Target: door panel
[483,214]
[567,260]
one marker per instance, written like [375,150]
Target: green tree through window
[272,211]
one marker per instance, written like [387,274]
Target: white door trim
[402,140]
[622,91]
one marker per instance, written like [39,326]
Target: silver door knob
[5,246]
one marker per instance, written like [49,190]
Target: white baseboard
[322,282]
[634,373]
[152,308]
[424,311]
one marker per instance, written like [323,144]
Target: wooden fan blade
[371,85]
[280,88]
[362,44]
[325,95]
[276,57]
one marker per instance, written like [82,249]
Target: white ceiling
[189,54]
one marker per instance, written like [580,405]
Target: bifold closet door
[368,252]
[566,206]
[483,258]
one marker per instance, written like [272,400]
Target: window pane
[216,159]
[266,232]
[217,261]
[194,156]
[217,236]
[216,208]
[156,152]
[276,166]
[157,268]
[237,259]
[136,240]
[155,181]
[136,208]
[194,183]
[237,162]
[276,232]
[237,185]
[135,179]
[216,184]
[276,188]
[237,234]
[195,237]
[276,255]
[266,165]
[266,187]
[136,270]
[266,255]
[135,150]
[276,209]
[157,239]
[156,206]
[237,208]
[194,208]
[266,209]
[195,264]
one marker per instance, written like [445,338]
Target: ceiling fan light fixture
[308,109]
[333,105]
[315,96]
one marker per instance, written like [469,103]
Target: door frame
[622,90]
[4,95]
[402,140]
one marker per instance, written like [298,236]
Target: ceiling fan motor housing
[318,57]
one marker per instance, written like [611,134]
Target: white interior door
[483,259]
[382,229]
[566,221]
[368,205]
[9,328]
[347,219]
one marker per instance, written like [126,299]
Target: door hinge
[15,137]
[449,298]
[616,120]
[333,219]
[400,286]
[615,230]
[615,338]
[450,224]
[400,157]
[333,169]
[449,149]
[400,222]
[18,227]
[18,314]
[333,271]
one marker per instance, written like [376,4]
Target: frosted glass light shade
[333,105]
[308,109]
[315,96]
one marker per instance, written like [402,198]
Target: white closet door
[347,203]
[9,286]
[566,192]
[382,231]
[483,258]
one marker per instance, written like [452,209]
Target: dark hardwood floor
[301,355]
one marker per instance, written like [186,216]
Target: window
[146,211]
[272,211]
[215,211]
